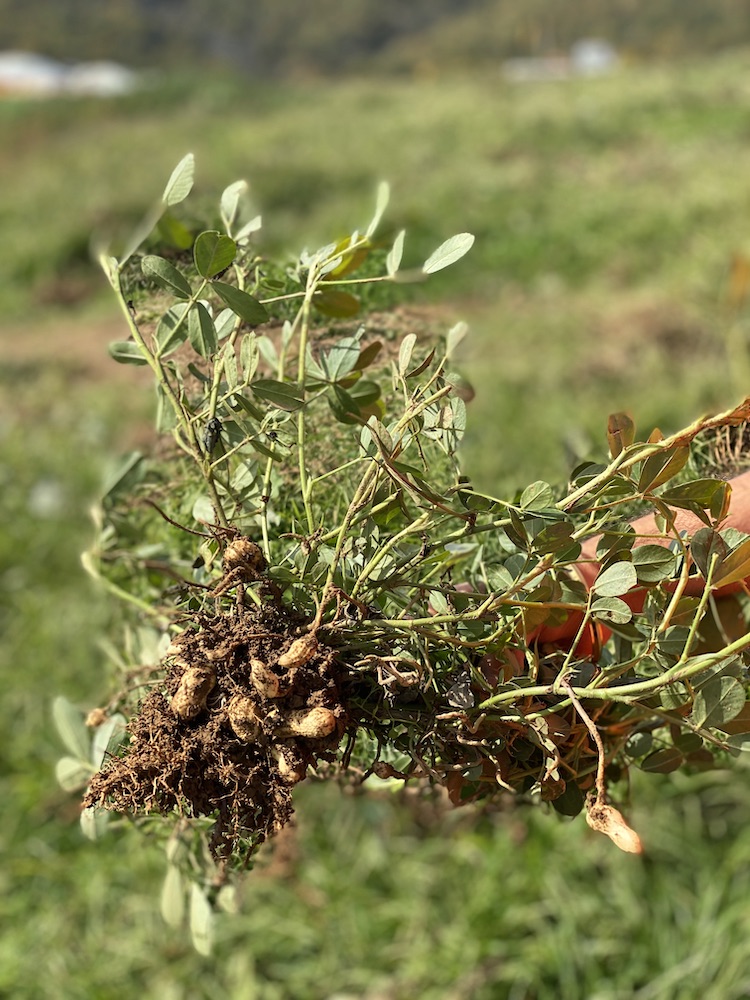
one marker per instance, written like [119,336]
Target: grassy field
[607,213]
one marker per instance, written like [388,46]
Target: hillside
[268,39]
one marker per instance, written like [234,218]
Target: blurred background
[600,152]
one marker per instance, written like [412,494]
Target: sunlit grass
[606,214]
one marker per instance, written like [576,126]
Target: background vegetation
[265,38]
[608,214]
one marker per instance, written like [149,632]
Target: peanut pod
[195,686]
[300,651]
[311,723]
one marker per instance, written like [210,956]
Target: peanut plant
[313,588]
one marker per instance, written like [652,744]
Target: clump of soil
[250,700]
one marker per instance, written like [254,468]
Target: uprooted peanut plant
[314,589]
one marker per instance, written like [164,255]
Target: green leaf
[174,233]
[615,580]
[537,496]
[661,467]
[405,352]
[244,305]
[448,253]
[395,254]
[171,330]
[180,183]
[213,253]
[201,921]
[718,701]
[224,323]
[653,563]
[230,201]
[248,229]
[341,359]
[201,331]
[662,761]
[166,276]
[229,363]
[455,335]
[383,197]
[611,609]
[126,475]
[335,303]
[72,774]
[249,356]
[172,902]
[639,744]
[126,352]
[71,728]
[283,395]
[94,822]
[107,738]
[701,493]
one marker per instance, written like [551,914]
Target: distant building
[592,57]
[26,74]
[588,57]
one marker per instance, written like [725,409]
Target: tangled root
[247,706]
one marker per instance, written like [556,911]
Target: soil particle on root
[242,715]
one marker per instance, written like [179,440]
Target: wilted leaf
[620,432]
[367,355]
[735,567]
[661,467]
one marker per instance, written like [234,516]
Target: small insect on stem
[212,434]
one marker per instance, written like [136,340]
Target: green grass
[606,214]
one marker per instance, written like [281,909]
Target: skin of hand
[731,617]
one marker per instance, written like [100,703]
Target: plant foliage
[316,588]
